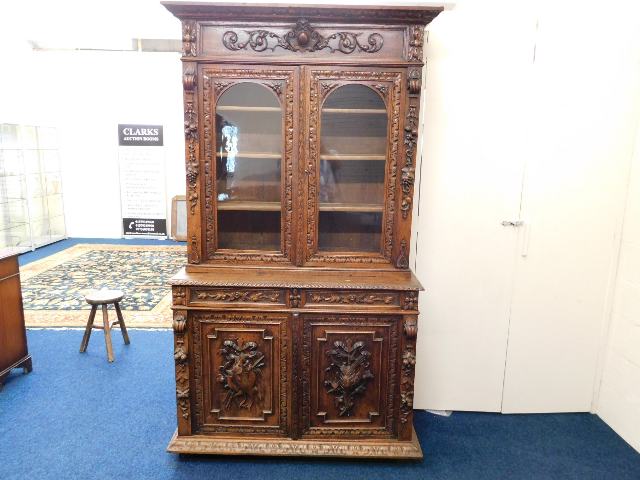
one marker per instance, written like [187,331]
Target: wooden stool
[103,298]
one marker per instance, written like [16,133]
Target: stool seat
[100,297]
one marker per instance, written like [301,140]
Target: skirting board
[214,445]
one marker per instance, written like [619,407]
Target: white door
[470,181]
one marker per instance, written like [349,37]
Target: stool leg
[87,332]
[123,327]
[107,332]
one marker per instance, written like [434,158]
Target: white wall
[619,398]
[85,94]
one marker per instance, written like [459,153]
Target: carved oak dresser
[295,318]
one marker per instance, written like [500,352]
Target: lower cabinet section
[295,383]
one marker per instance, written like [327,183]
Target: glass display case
[31,206]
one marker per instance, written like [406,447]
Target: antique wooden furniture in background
[102,298]
[13,336]
[295,319]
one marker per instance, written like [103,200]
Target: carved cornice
[302,38]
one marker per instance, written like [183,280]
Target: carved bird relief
[348,374]
[240,373]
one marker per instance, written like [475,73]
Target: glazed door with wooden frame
[349,375]
[241,372]
[351,170]
[249,120]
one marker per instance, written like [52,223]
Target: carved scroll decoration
[351,298]
[239,296]
[322,82]
[302,38]
[181,359]
[416,39]
[240,374]
[411,328]
[189,38]
[348,374]
[215,82]
[414,81]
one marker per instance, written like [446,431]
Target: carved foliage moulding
[200,318]
[416,39]
[189,38]
[303,38]
[406,383]
[214,84]
[408,171]
[253,296]
[323,82]
[351,298]
[181,359]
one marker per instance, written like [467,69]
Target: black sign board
[148,227]
[139,135]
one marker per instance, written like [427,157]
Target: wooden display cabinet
[295,319]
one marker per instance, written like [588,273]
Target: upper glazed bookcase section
[304,33]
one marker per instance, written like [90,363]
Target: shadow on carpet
[77,416]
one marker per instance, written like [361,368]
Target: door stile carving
[181,359]
[192,161]
[411,124]
[407,375]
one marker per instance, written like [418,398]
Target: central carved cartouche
[240,373]
[302,38]
[348,374]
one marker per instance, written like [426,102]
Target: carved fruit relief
[348,374]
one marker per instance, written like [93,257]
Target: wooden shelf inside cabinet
[275,156]
[350,207]
[240,108]
[378,111]
[353,157]
[241,205]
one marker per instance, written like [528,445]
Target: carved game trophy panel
[243,371]
[349,375]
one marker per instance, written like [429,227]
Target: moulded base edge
[215,445]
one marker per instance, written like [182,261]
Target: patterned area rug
[53,288]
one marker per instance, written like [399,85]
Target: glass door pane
[248,168]
[353,145]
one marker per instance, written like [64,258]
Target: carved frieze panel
[303,37]
[236,295]
[333,297]
[348,375]
[241,373]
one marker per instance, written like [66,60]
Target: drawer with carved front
[352,298]
[235,296]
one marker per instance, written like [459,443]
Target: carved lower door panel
[349,376]
[241,373]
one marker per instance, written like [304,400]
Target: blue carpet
[76,416]
[56,247]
